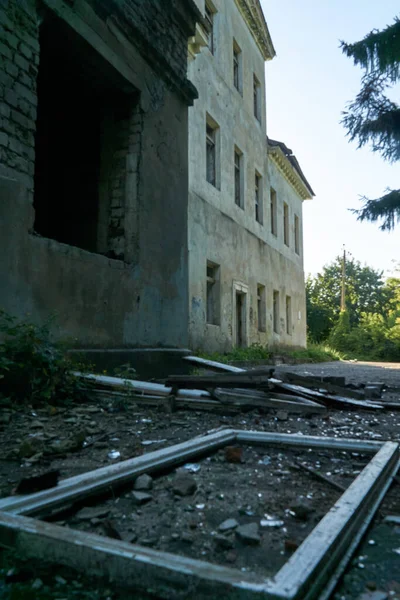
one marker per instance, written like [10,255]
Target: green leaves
[32,367]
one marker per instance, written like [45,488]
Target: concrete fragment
[372,392]
[248,534]
[376,595]
[228,525]
[143,482]
[282,415]
[141,497]
[89,512]
[184,485]
[393,519]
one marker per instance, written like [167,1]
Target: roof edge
[288,163]
[253,14]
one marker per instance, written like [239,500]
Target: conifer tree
[373,117]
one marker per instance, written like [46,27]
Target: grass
[314,353]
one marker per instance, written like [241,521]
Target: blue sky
[308,84]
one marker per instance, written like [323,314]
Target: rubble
[248,534]
[143,483]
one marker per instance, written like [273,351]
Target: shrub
[33,368]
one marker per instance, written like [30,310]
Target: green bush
[33,368]
[312,354]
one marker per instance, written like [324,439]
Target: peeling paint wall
[100,301]
[220,231]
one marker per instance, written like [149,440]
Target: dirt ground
[32,441]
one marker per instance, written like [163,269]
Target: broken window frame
[286,236]
[261,308]
[237,68]
[275,311]
[258,198]
[209,16]
[213,309]
[238,177]
[288,315]
[297,234]
[257,98]
[273,210]
[315,566]
[211,155]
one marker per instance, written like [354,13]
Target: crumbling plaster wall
[99,301]
[219,230]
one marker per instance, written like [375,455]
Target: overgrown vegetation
[369,328]
[33,368]
[314,353]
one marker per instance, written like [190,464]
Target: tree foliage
[370,325]
[373,117]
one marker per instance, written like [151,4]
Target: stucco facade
[93,168]
[246,280]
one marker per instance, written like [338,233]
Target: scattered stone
[37,584]
[302,511]
[223,541]
[29,447]
[150,541]
[129,537]
[143,482]
[111,531]
[175,536]
[141,497]
[248,534]
[282,415]
[184,485]
[60,580]
[95,512]
[233,454]
[371,585]
[228,525]
[376,595]
[231,557]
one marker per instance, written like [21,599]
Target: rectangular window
[261,307]
[209,17]
[237,67]
[288,315]
[212,152]
[296,234]
[257,98]
[286,224]
[239,196]
[274,227]
[276,311]
[258,198]
[213,294]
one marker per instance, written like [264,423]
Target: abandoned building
[136,214]
[246,279]
[94,167]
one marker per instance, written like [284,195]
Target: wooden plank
[311,382]
[231,380]
[235,397]
[212,364]
[328,400]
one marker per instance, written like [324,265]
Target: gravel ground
[32,441]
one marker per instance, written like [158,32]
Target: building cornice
[289,172]
[253,15]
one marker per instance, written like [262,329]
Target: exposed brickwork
[157,29]
[19,57]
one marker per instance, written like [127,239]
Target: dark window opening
[77,96]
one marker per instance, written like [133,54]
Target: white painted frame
[310,574]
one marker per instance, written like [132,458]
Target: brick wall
[19,59]
[159,28]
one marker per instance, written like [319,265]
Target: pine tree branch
[378,51]
[386,209]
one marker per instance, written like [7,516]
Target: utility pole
[343,298]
